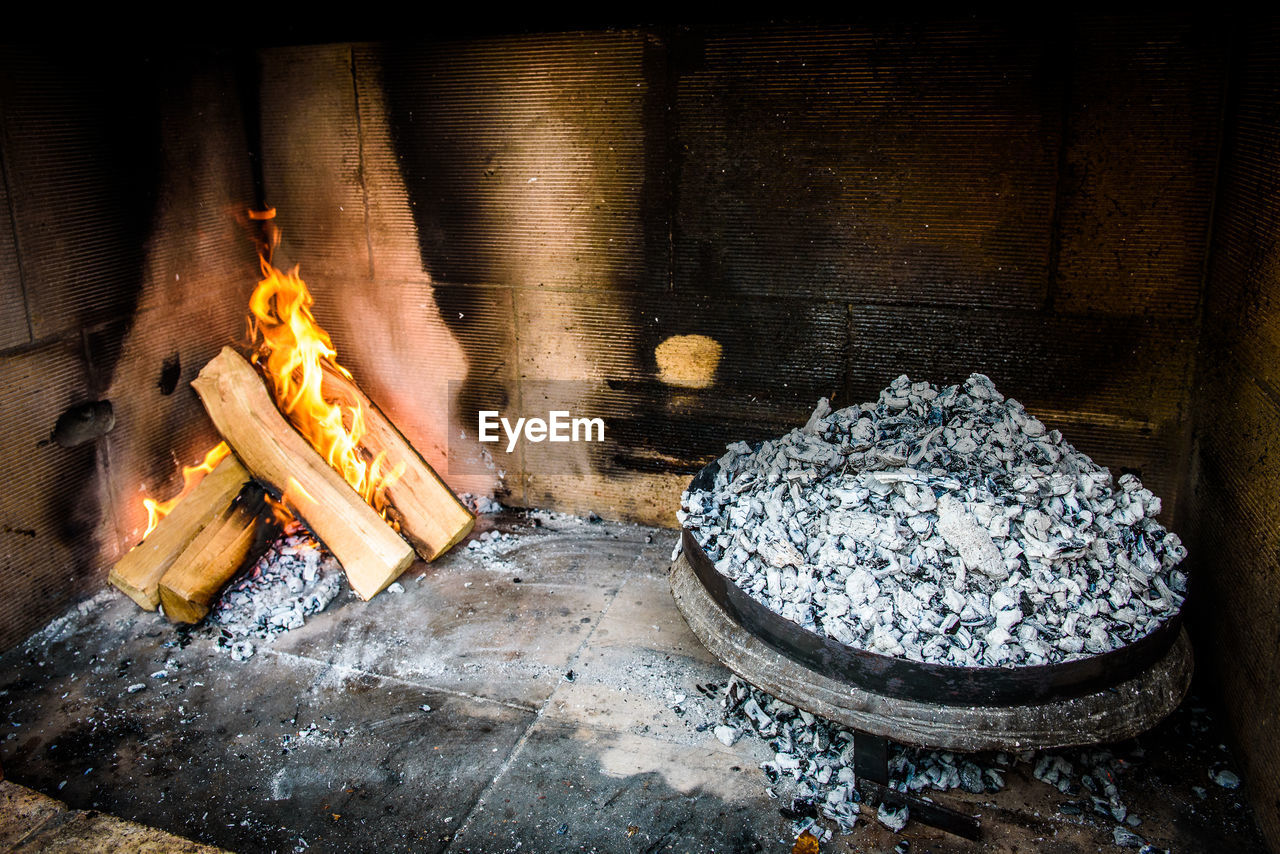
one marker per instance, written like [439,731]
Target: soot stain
[170,374]
[84,422]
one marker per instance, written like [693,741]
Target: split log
[370,552]
[239,536]
[430,516]
[138,573]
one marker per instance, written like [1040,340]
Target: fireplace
[688,233]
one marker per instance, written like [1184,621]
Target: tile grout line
[518,748]
[347,668]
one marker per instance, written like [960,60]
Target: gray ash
[941,525]
[481,505]
[295,579]
[812,769]
[813,761]
[813,757]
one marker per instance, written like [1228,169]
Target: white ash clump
[941,525]
[813,757]
[492,547]
[813,762]
[492,541]
[295,579]
[481,505]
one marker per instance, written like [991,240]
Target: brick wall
[831,207]
[118,203]
[1234,511]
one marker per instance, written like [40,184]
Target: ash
[812,766]
[296,578]
[481,505]
[941,525]
[812,769]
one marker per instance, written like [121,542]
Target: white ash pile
[491,541]
[296,578]
[813,768]
[492,547]
[941,525]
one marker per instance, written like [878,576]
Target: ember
[294,580]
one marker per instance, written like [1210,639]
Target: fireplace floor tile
[585,789]
[640,671]
[500,624]
[564,714]
[279,752]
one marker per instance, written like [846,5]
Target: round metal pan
[914,680]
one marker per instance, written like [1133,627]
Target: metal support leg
[871,770]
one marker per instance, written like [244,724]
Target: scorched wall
[692,233]
[1234,511]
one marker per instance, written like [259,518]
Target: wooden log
[237,537]
[138,573]
[430,516]
[370,552]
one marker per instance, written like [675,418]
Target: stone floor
[31,822]
[513,697]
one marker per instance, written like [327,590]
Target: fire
[293,351]
[191,475]
[281,513]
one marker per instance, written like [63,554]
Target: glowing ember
[191,476]
[294,352]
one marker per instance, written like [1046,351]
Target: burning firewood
[371,553]
[428,513]
[237,537]
[138,573]
[325,447]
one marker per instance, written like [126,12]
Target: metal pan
[914,680]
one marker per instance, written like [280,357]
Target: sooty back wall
[697,234]
[692,234]
[122,270]
[1233,510]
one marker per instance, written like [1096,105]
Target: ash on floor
[539,692]
[812,769]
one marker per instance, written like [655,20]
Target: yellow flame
[292,350]
[191,476]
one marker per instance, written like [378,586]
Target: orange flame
[292,350]
[281,513]
[191,476]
